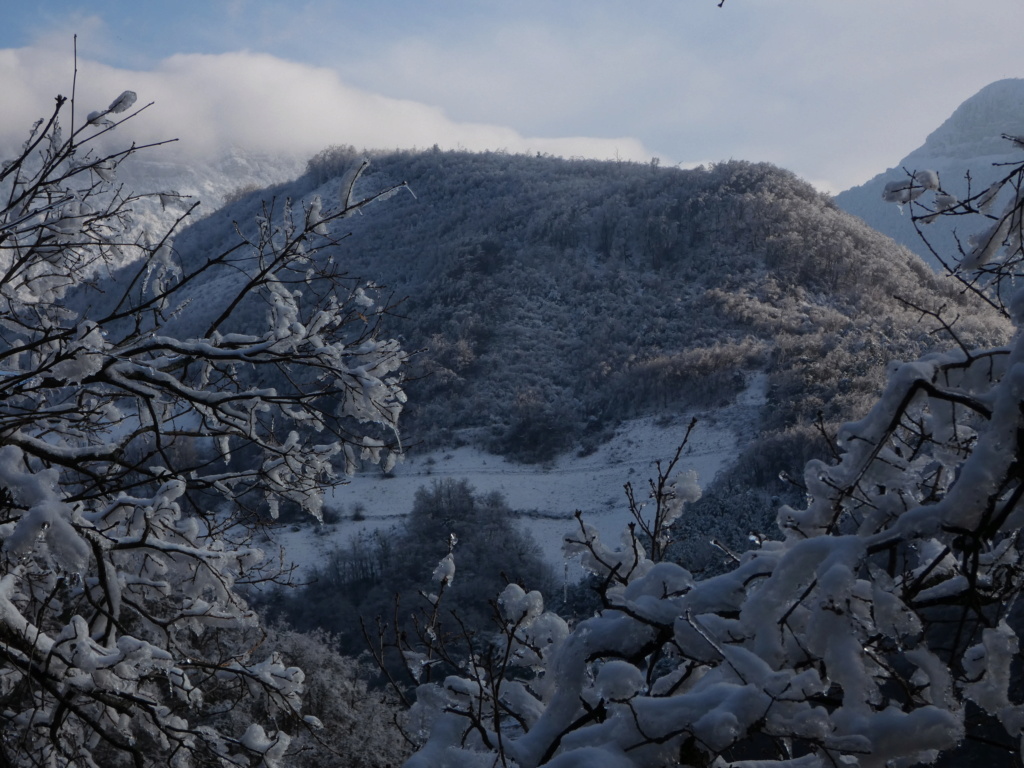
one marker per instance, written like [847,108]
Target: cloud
[214,101]
[835,91]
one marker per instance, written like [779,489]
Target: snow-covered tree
[134,460]
[359,723]
[881,629]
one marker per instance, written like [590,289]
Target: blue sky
[836,91]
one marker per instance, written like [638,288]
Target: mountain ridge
[976,126]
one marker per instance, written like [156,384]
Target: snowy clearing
[544,496]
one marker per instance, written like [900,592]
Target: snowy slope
[545,497]
[969,141]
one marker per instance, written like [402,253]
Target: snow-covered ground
[545,497]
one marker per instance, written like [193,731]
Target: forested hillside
[551,298]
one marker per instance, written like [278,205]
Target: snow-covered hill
[553,303]
[970,141]
[549,300]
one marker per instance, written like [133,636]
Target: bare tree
[989,262]
[135,457]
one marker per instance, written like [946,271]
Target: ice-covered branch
[137,454]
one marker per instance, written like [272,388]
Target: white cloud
[259,101]
[833,91]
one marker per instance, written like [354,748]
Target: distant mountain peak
[969,141]
[976,127]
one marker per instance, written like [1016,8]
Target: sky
[836,91]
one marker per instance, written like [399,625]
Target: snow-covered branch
[144,427]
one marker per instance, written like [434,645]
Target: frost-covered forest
[171,395]
[548,299]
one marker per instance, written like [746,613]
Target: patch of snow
[544,497]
